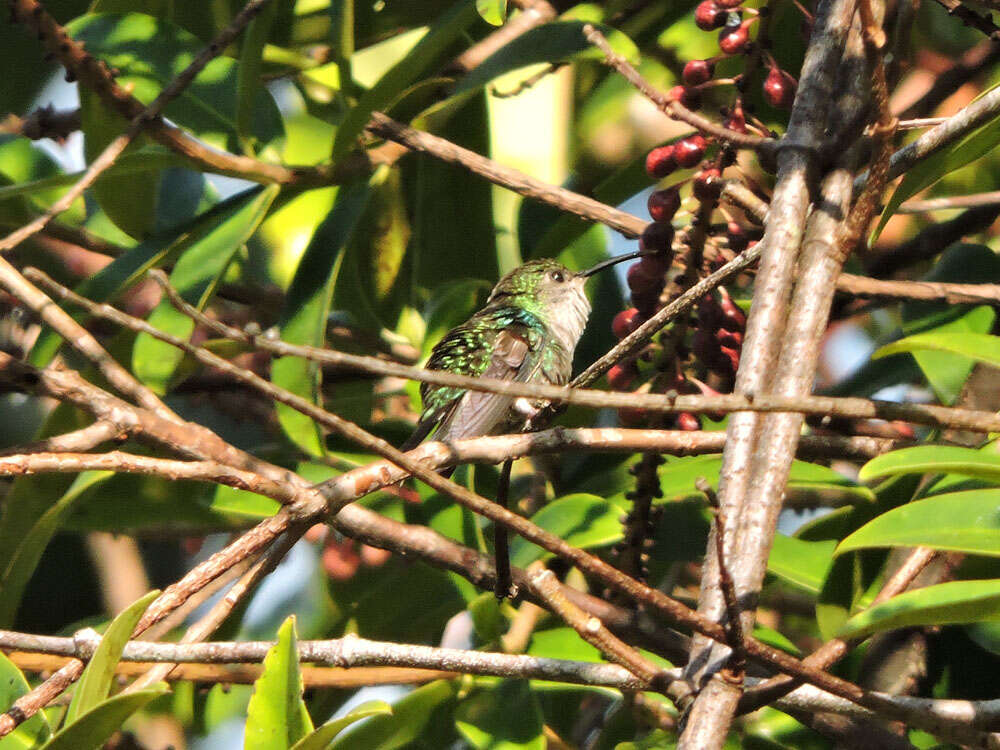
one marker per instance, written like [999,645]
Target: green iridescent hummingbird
[526,333]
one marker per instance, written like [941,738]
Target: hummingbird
[526,333]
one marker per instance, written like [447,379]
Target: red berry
[632,417]
[688,152]
[657,237]
[734,40]
[688,421]
[663,204]
[655,265]
[733,356]
[707,185]
[660,162]
[697,72]
[646,302]
[732,339]
[622,375]
[708,16]
[644,279]
[625,322]
[690,98]
[779,88]
[735,319]
[738,237]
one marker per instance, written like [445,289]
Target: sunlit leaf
[324,735]
[581,520]
[93,728]
[935,459]
[942,604]
[27,734]
[408,719]
[277,717]
[960,521]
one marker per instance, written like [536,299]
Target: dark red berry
[663,204]
[738,237]
[733,356]
[632,417]
[623,375]
[732,339]
[644,279]
[688,421]
[625,322]
[779,88]
[708,16]
[647,303]
[734,40]
[660,162]
[697,72]
[707,185]
[657,237]
[690,98]
[736,320]
[688,152]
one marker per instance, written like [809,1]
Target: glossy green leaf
[800,563]
[581,520]
[128,268]
[248,82]
[935,459]
[960,521]
[953,156]
[93,728]
[942,604]
[196,275]
[27,550]
[95,682]
[150,52]
[324,735]
[307,307]
[505,717]
[559,41]
[947,372]
[410,716]
[492,11]
[977,346]
[277,717]
[431,48]
[562,643]
[678,477]
[27,734]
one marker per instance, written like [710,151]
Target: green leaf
[800,563]
[150,52]
[945,372]
[975,145]
[506,717]
[977,346]
[935,459]
[28,549]
[196,275]
[559,41]
[307,307]
[431,48]
[322,737]
[581,520]
[127,269]
[248,83]
[93,728]
[277,717]
[95,682]
[960,521]
[27,734]
[409,718]
[943,604]
[678,476]
[492,11]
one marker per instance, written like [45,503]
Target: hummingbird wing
[478,413]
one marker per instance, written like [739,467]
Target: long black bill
[612,261]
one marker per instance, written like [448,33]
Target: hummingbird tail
[423,429]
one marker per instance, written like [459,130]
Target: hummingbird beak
[612,261]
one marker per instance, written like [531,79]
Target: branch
[508,177]
[971,19]
[671,107]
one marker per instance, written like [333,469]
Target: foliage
[384,262]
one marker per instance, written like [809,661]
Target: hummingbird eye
[557,276]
